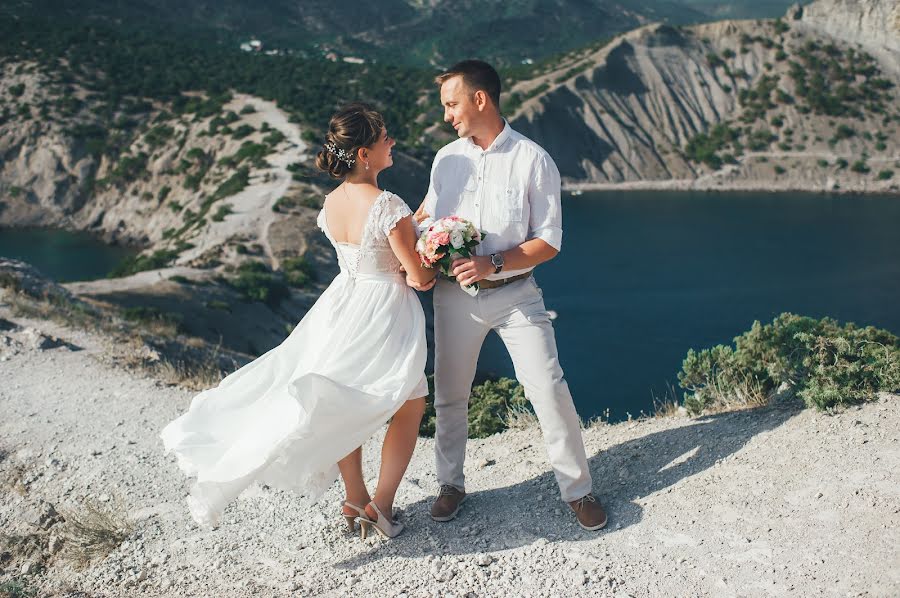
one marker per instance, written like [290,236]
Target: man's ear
[480,98]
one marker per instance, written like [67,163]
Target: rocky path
[774,502]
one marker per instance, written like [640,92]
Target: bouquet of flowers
[445,240]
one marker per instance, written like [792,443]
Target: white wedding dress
[288,417]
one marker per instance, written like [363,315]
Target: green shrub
[819,361]
[158,135]
[844,132]
[860,167]
[235,184]
[153,315]
[885,175]
[274,138]
[255,282]
[298,272]
[489,406]
[220,214]
[822,163]
[759,140]
[248,109]
[841,163]
[16,588]
[704,147]
[779,169]
[242,131]
[131,265]
[163,193]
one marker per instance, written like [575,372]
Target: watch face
[497,259]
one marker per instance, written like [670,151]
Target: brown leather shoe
[589,513]
[446,506]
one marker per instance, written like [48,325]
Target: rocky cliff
[798,104]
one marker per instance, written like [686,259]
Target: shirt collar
[498,141]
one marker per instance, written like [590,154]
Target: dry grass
[24,546]
[749,394]
[596,421]
[190,376]
[667,405]
[520,418]
[94,530]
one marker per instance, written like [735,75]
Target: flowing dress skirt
[288,417]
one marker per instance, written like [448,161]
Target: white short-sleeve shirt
[511,191]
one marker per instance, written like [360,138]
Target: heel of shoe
[364,528]
[351,522]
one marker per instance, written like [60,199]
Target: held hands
[470,270]
[415,285]
[420,287]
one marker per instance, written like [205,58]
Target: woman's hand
[421,215]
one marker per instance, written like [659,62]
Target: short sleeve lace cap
[389,210]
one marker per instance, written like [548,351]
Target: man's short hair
[477,75]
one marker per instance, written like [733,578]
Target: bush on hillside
[490,405]
[820,361]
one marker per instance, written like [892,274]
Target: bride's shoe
[389,528]
[351,519]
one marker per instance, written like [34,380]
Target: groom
[509,187]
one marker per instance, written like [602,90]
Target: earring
[367,166]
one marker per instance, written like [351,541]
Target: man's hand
[470,270]
[420,287]
[421,215]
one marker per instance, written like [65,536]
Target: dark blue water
[62,255]
[644,276]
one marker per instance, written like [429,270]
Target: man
[510,188]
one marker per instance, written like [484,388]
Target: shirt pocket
[508,203]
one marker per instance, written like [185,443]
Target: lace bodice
[374,254]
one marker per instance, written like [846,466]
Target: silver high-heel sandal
[389,528]
[351,519]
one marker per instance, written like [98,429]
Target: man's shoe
[447,504]
[589,513]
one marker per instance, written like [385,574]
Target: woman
[300,413]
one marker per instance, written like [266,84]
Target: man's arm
[544,224]
[525,256]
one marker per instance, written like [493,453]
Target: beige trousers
[516,311]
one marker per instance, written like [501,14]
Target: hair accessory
[343,156]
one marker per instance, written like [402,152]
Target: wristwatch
[497,261]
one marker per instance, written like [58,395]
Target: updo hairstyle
[352,127]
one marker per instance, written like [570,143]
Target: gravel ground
[776,501]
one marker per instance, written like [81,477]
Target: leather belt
[493,284]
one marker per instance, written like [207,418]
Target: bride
[299,414]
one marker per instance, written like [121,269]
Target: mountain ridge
[634,112]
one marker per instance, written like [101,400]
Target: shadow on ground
[512,516]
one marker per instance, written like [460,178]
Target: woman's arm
[403,243]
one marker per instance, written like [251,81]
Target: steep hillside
[394,31]
[734,104]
